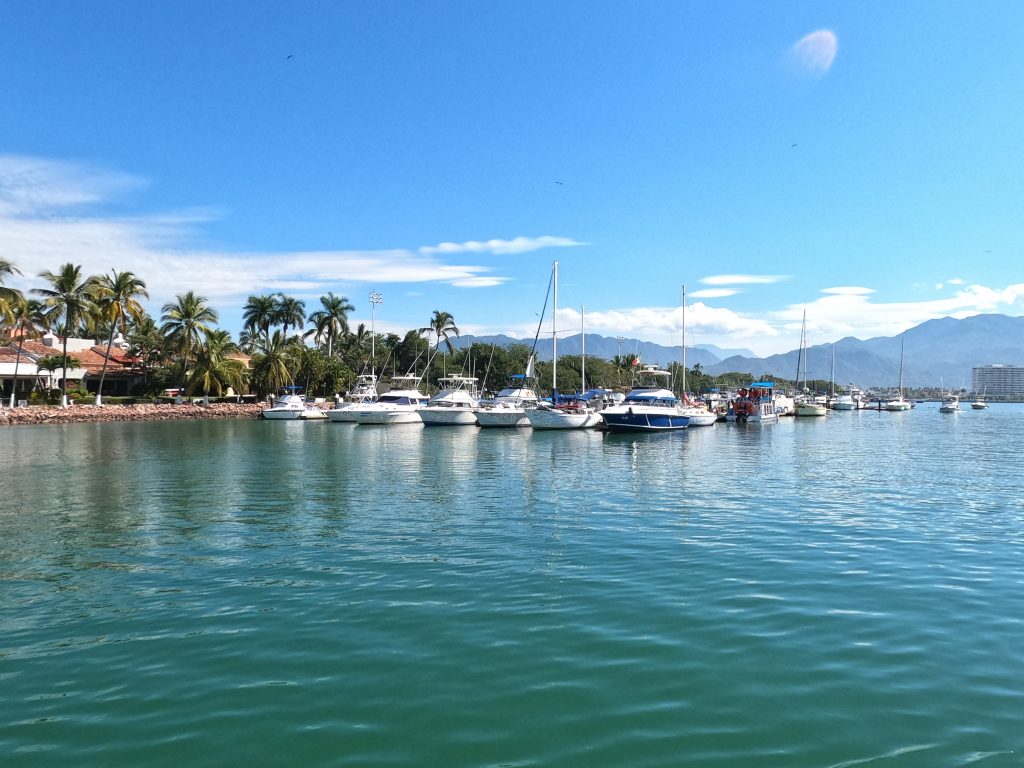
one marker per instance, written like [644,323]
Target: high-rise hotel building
[998,380]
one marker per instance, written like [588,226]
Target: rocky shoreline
[79,414]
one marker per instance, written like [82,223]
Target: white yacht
[363,393]
[508,408]
[399,405]
[564,412]
[454,404]
[285,407]
[291,407]
[950,404]
[650,406]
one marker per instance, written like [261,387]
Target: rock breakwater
[77,414]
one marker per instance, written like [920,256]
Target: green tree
[70,296]
[184,322]
[442,325]
[272,363]
[214,370]
[147,345]
[9,297]
[29,317]
[289,312]
[258,317]
[330,322]
[117,302]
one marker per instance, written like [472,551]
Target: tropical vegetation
[185,352]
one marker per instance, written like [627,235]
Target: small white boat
[508,408]
[363,393]
[454,404]
[399,405]
[291,407]
[950,404]
[980,404]
[808,407]
[899,403]
[566,412]
[754,404]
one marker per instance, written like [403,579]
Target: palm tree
[117,302]
[72,296]
[29,317]
[271,363]
[147,344]
[258,316]
[184,320]
[331,321]
[9,297]
[214,370]
[289,312]
[442,325]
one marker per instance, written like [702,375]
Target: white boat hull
[544,418]
[448,417]
[502,417]
[388,416]
[281,414]
[810,409]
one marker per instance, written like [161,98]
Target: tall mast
[554,332]
[583,362]
[682,331]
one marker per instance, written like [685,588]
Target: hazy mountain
[937,352]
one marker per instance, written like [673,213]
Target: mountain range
[935,353]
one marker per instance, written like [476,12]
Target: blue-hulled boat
[649,407]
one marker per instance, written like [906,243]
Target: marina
[345,595]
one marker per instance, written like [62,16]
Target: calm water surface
[833,592]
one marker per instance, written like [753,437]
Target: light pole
[375,299]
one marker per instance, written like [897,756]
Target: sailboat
[899,403]
[805,404]
[697,415]
[980,404]
[563,412]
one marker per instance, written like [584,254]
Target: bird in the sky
[290,55]
[558,182]
[792,145]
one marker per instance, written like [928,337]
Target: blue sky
[857,160]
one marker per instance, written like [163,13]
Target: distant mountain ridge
[936,352]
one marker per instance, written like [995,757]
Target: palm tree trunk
[64,381]
[103,373]
[17,363]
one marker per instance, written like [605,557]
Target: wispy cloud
[814,53]
[742,279]
[52,212]
[37,187]
[501,247]
[712,293]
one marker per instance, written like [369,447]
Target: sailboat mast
[583,362]
[682,341]
[554,333]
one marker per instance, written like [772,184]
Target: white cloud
[37,187]
[44,222]
[849,290]
[814,53]
[712,293]
[743,279]
[501,247]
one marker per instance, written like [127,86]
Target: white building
[998,380]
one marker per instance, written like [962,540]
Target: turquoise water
[830,592]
